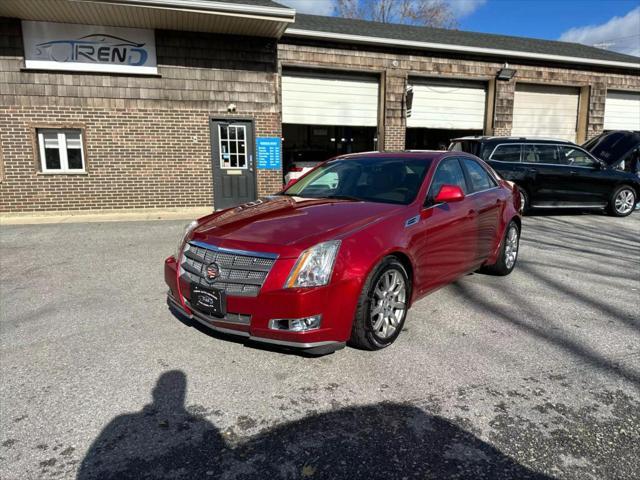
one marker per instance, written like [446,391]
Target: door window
[449,172]
[233,150]
[507,153]
[542,154]
[480,178]
[577,157]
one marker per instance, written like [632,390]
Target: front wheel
[622,202]
[508,255]
[382,306]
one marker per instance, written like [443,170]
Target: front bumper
[252,320]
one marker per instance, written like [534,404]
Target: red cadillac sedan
[341,255]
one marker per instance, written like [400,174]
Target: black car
[560,174]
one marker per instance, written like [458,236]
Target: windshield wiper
[344,197]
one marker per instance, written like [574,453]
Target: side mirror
[449,194]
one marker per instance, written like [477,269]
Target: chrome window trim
[233,251]
[577,147]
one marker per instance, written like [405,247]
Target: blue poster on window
[269,153]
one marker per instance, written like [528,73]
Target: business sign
[269,153]
[88,48]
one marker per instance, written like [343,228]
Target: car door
[547,174]
[587,183]
[487,204]
[446,236]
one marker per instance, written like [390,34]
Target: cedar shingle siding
[147,139]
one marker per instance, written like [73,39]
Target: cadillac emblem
[212,272]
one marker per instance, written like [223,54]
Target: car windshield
[384,180]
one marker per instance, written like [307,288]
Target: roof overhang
[187,15]
[503,54]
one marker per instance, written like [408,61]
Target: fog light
[296,324]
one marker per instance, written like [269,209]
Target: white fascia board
[88,67]
[283,14]
[296,32]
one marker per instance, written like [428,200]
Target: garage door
[455,106]
[329,100]
[543,111]
[622,111]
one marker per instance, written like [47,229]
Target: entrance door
[232,150]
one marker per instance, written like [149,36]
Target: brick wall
[397,66]
[147,138]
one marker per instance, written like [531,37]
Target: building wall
[396,67]
[147,139]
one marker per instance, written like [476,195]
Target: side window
[538,153]
[507,153]
[577,157]
[480,178]
[61,151]
[449,172]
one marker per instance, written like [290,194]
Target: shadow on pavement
[385,441]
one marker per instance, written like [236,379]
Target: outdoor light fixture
[506,73]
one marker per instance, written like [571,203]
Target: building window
[61,151]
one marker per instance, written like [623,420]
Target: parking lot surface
[535,375]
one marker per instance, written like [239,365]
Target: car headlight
[188,229]
[314,266]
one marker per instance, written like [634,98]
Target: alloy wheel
[511,247]
[388,304]
[624,201]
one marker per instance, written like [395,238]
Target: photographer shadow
[381,441]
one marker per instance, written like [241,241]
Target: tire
[622,201]
[525,205]
[374,331]
[508,257]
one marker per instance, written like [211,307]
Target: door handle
[573,172]
[532,170]
[472,213]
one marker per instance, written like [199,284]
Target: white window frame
[228,141]
[62,149]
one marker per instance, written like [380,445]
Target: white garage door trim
[545,111]
[329,100]
[622,111]
[450,105]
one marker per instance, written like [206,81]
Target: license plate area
[209,301]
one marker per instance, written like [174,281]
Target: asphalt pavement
[535,375]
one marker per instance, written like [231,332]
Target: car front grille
[241,273]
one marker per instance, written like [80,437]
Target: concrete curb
[87,216]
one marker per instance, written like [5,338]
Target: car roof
[512,139]
[416,154]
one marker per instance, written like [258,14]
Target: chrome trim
[411,221]
[248,336]
[586,205]
[547,164]
[233,251]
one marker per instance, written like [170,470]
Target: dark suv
[556,173]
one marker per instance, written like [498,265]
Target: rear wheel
[622,202]
[382,306]
[508,255]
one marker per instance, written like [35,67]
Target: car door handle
[573,172]
[472,213]
[532,170]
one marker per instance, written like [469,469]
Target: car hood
[613,147]
[287,225]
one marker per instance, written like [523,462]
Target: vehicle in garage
[558,174]
[343,253]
